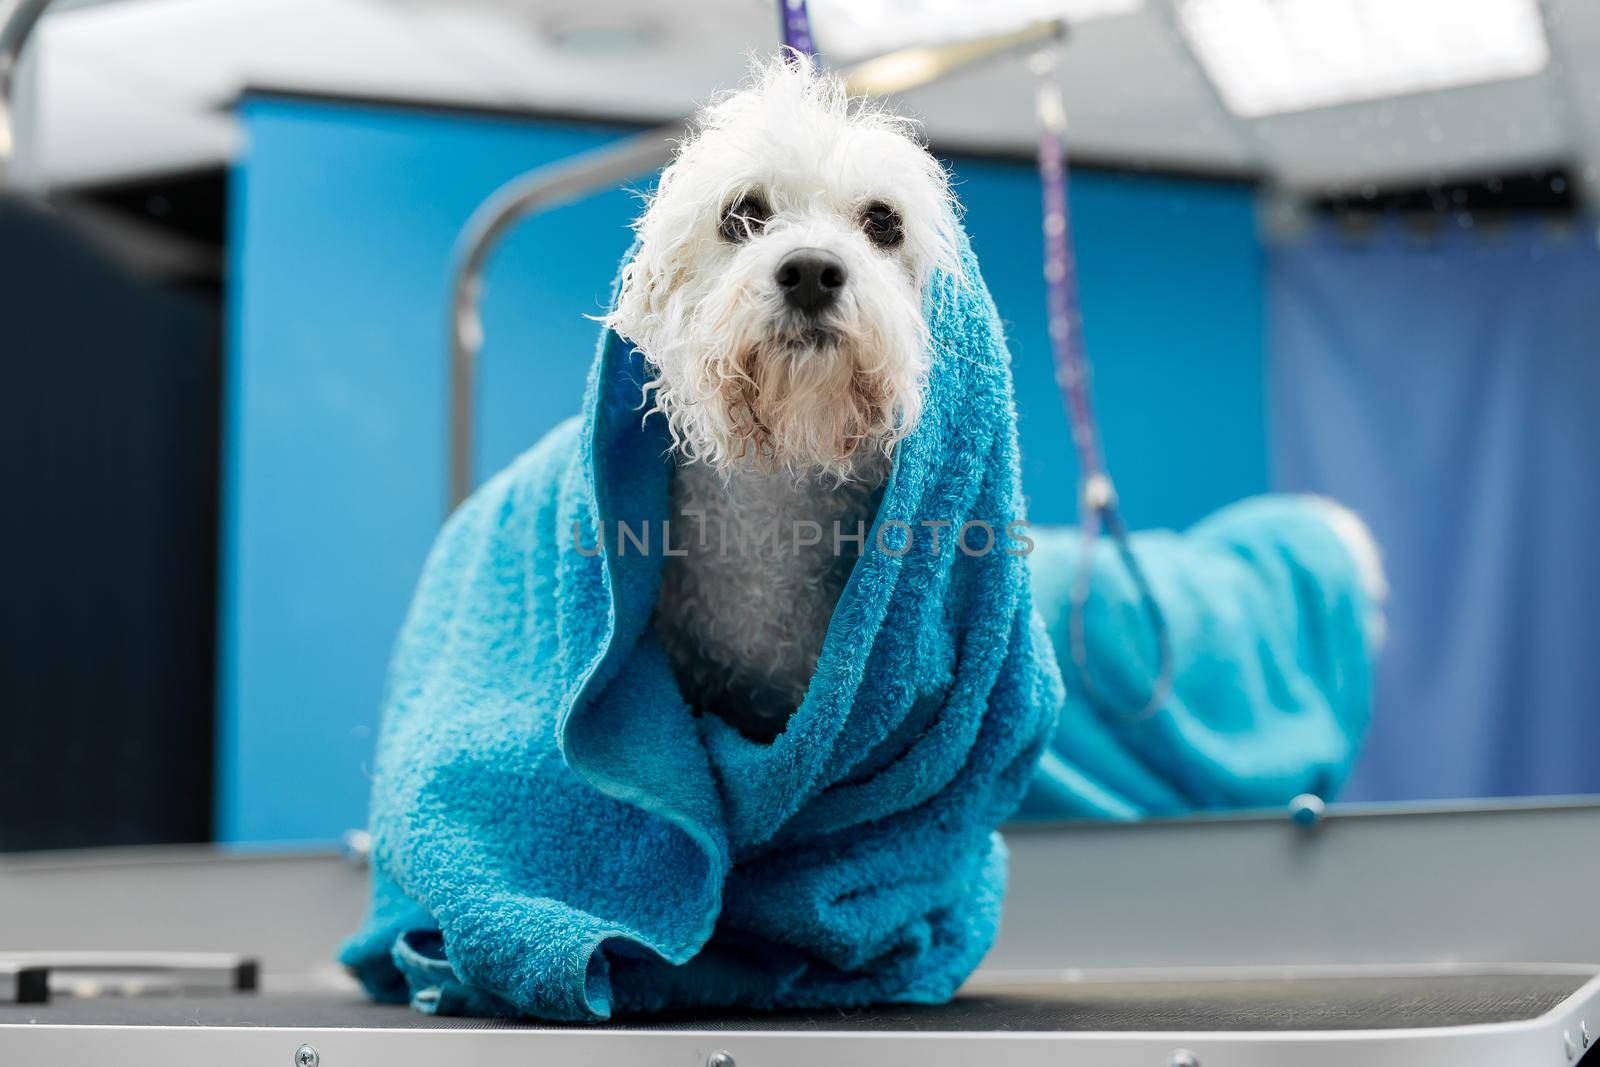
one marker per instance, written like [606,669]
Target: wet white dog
[777,296]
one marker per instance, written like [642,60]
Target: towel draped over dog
[555,833]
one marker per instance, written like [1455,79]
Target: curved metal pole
[536,191]
[562,182]
[17,20]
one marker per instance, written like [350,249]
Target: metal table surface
[1314,1003]
[1496,1017]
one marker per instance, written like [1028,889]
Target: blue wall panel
[343,218]
[1171,276]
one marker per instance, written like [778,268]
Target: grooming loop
[1097,495]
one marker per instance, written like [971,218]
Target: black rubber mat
[1366,1003]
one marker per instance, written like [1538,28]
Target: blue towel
[555,834]
[1270,636]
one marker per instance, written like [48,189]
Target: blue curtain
[1448,388]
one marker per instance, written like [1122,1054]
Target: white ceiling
[124,87]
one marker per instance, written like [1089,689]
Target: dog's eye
[881,223]
[744,218]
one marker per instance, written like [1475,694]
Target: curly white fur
[778,417]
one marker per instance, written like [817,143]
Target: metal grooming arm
[561,183]
[536,191]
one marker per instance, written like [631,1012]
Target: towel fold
[556,834]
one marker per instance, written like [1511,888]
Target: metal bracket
[22,984]
[27,977]
[17,20]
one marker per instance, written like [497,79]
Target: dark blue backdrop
[1448,389]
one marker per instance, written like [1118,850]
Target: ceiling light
[1271,56]
[847,30]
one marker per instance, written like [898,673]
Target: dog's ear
[948,238]
[638,301]
[643,305]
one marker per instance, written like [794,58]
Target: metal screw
[719,1058]
[1583,1031]
[1183,1058]
[306,1056]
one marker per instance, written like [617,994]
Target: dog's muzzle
[810,279]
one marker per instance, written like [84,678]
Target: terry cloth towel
[555,834]
[1268,624]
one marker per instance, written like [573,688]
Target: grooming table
[1494,1017]
[1229,941]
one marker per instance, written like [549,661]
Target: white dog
[777,296]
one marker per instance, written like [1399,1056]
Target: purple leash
[1097,495]
[796,22]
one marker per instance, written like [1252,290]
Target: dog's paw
[1363,548]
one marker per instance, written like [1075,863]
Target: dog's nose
[810,279]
